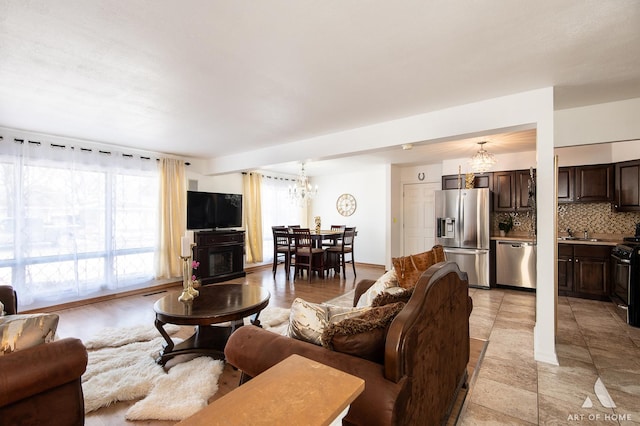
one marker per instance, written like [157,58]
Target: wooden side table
[294,391]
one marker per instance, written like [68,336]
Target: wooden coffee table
[218,303]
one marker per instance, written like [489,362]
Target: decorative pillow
[363,336]
[308,320]
[26,330]
[410,268]
[386,298]
[388,280]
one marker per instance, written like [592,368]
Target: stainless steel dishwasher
[516,263]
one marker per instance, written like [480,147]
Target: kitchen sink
[578,239]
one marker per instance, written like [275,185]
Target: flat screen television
[213,210]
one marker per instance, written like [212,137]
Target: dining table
[328,234]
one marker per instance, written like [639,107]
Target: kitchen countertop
[599,242]
[602,240]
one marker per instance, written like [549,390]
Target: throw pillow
[363,336]
[410,268]
[386,298]
[388,280]
[23,331]
[308,320]
[406,270]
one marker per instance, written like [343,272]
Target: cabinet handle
[577,260]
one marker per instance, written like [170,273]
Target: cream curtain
[173,208]
[252,216]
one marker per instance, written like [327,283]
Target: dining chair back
[307,256]
[282,249]
[334,241]
[339,253]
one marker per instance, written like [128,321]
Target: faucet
[586,234]
[570,232]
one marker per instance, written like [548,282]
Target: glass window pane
[136,211]
[133,268]
[6,275]
[7,209]
[64,211]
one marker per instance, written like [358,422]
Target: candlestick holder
[188,292]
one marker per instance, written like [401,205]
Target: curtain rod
[269,177]
[54,145]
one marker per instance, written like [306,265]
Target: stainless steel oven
[625,276]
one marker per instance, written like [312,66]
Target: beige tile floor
[511,388]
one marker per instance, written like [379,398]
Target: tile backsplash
[597,218]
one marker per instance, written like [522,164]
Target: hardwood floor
[84,321]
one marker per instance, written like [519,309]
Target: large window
[277,209]
[74,221]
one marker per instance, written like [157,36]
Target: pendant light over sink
[482,161]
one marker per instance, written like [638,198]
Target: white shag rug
[122,367]
[124,371]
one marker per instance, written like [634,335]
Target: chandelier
[302,191]
[482,161]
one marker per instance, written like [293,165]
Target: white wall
[370,217]
[624,151]
[230,183]
[608,122]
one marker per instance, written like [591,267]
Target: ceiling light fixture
[302,191]
[482,161]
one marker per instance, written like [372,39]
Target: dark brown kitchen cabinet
[583,271]
[565,184]
[565,269]
[484,180]
[586,184]
[594,183]
[511,190]
[627,192]
[504,191]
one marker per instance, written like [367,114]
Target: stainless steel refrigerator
[462,227]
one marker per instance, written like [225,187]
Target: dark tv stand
[221,255]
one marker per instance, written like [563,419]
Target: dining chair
[307,256]
[338,253]
[334,241]
[281,249]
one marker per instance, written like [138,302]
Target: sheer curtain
[277,209]
[74,221]
[173,213]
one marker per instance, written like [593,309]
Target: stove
[625,264]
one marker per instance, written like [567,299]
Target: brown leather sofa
[425,360]
[41,385]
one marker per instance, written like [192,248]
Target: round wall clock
[346,204]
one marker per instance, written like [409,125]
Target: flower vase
[317,219]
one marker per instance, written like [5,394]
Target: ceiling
[205,78]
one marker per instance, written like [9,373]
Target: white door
[418,217]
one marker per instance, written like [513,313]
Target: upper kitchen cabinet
[484,180]
[565,184]
[594,183]
[586,184]
[627,196]
[511,190]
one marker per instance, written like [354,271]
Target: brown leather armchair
[9,298]
[425,358]
[41,385]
